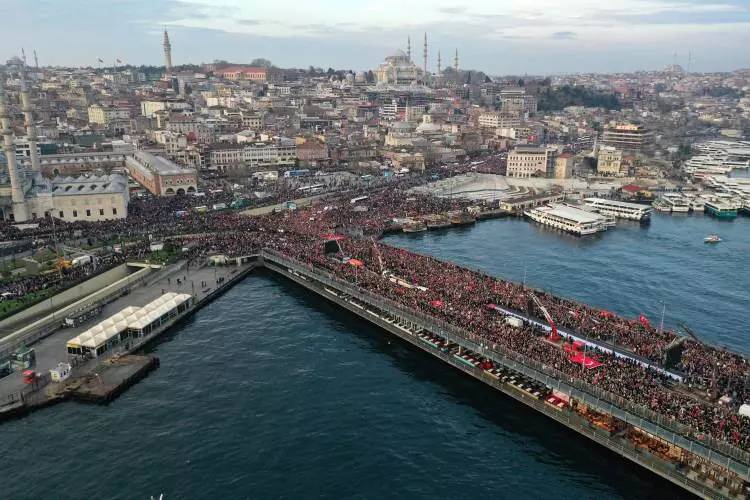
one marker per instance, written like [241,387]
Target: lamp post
[663,310]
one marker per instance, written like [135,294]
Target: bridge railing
[668,428]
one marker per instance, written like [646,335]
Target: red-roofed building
[251,73]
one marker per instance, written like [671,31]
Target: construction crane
[554,336]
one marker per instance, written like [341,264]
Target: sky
[496,36]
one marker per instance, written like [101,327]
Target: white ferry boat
[609,220]
[620,209]
[676,202]
[569,219]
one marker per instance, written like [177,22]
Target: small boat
[712,238]
[415,226]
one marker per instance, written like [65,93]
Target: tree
[261,62]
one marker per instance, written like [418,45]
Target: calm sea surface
[271,393]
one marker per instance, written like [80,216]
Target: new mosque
[25,194]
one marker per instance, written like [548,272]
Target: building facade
[628,136]
[609,161]
[160,176]
[527,161]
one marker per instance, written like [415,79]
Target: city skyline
[582,36]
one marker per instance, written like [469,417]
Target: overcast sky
[496,36]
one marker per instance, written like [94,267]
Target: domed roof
[398,54]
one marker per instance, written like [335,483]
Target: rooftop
[157,164]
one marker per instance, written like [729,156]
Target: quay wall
[316,281]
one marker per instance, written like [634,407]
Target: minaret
[23,55]
[167,53]
[455,61]
[439,70]
[29,122]
[424,54]
[20,211]
[408,47]
[36,60]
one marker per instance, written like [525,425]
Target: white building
[149,107]
[81,198]
[104,115]
[609,161]
[499,120]
[531,161]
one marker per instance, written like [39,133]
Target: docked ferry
[720,209]
[414,226]
[462,217]
[569,219]
[676,202]
[437,221]
[620,209]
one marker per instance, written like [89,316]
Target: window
[114,211]
[75,213]
[88,212]
[101,211]
[62,214]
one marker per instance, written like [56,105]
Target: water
[271,393]
[632,269]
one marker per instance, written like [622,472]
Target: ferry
[609,220]
[437,221]
[661,206]
[676,202]
[567,218]
[461,218]
[620,209]
[720,209]
[414,226]
[712,238]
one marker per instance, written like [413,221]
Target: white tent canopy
[131,317]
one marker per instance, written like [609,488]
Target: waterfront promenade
[201,282]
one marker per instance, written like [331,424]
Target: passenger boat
[712,238]
[569,219]
[720,209]
[414,226]
[661,206]
[437,221]
[620,209]
[676,202]
[462,217]
[609,220]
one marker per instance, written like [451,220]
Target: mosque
[25,194]
[399,69]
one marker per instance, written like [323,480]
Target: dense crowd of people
[456,295]
[461,296]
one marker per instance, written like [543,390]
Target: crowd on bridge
[339,236]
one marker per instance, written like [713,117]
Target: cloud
[249,22]
[564,35]
[452,10]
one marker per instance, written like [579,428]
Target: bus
[357,199]
[315,188]
[297,173]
